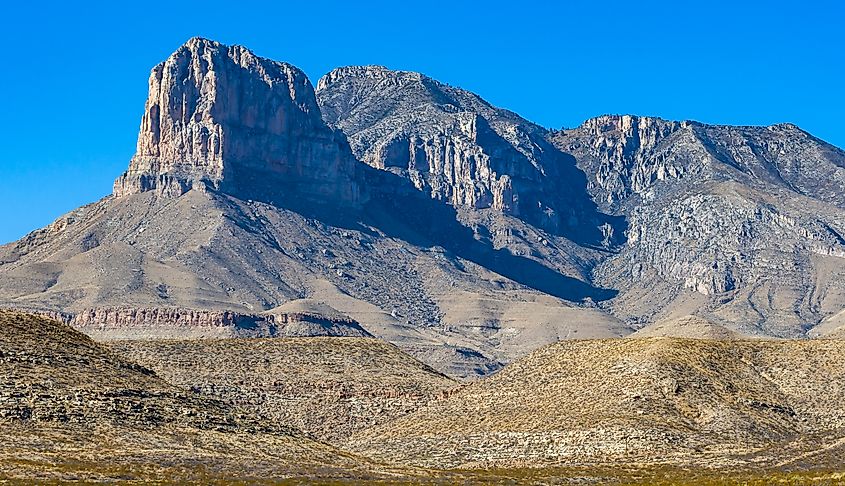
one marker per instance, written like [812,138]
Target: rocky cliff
[223,117]
[750,217]
[455,146]
[625,157]
[106,323]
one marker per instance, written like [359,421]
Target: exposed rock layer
[162,322]
[750,217]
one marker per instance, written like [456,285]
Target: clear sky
[74,74]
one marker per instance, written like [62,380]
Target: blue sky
[74,74]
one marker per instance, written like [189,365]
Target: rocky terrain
[688,403]
[740,224]
[229,255]
[295,318]
[71,409]
[225,410]
[326,387]
[400,207]
[456,147]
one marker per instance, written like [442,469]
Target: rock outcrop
[163,322]
[750,217]
[630,158]
[223,117]
[455,146]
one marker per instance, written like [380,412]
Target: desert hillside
[72,410]
[328,387]
[634,401]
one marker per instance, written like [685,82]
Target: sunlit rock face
[455,146]
[234,121]
[750,217]
[630,158]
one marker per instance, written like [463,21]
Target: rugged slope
[327,387]
[72,409]
[740,224]
[497,170]
[458,148]
[697,403]
[229,255]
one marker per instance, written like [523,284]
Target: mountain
[221,117]
[240,199]
[691,403]
[388,204]
[71,410]
[458,148]
[741,224]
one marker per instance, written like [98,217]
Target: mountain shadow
[399,210]
[405,213]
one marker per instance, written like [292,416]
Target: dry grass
[619,411]
[72,410]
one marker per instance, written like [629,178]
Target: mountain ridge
[462,232]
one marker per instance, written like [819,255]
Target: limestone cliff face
[625,156]
[454,145]
[222,116]
[723,239]
[108,323]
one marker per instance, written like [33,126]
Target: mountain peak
[228,119]
[372,72]
[198,42]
